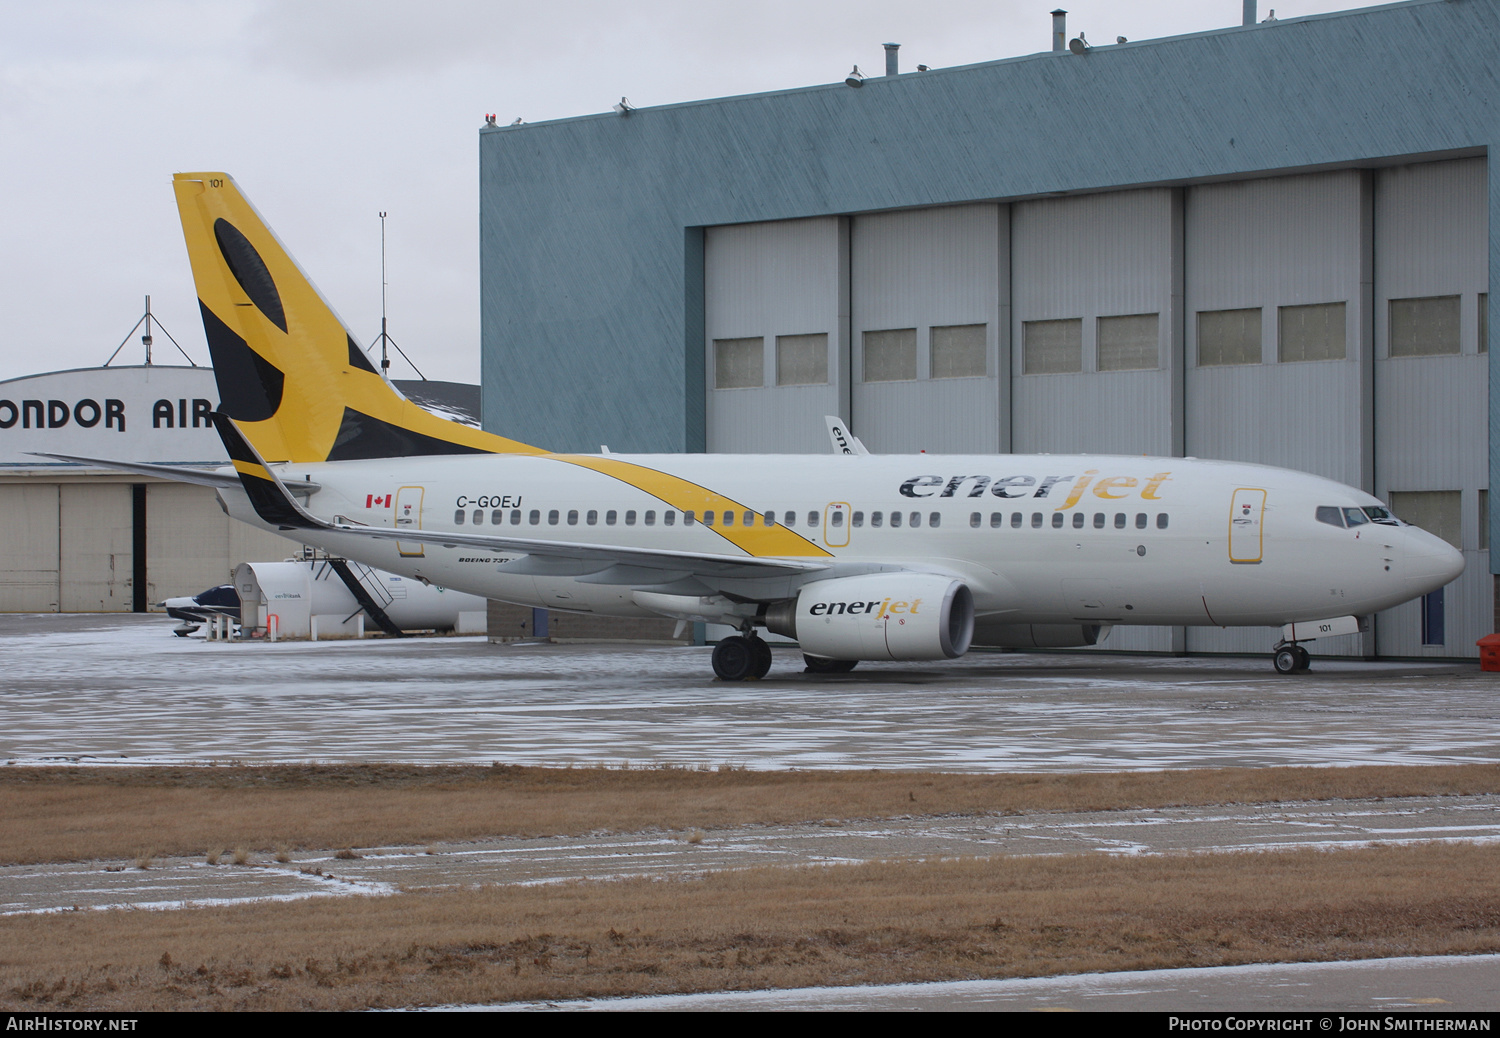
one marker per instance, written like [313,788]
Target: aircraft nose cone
[1431,562]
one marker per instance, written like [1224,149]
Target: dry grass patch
[761,928]
[80,814]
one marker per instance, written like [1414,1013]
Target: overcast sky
[328,111]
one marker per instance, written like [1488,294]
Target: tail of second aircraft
[289,372]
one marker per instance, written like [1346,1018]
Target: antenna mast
[146,319]
[385,358]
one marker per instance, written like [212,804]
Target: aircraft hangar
[1269,243]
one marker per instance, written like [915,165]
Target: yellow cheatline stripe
[686,496]
[250,468]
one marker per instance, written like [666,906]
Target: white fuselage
[1039,539]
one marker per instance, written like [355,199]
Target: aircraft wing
[179,473]
[274,503]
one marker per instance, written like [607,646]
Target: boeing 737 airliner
[856,556]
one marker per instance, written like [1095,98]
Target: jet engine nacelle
[992,635]
[880,616]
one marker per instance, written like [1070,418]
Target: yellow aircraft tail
[289,373]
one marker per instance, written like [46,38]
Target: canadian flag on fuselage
[376,501]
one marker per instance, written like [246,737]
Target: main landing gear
[743,657]
[1289,658]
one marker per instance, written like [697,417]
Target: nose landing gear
[1289,658]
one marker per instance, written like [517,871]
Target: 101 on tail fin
[289,372]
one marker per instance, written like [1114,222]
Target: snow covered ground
[121,688]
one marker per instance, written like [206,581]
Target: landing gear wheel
[735,658]
[1286,661]
[820,665]
[1304,658]
[762,653]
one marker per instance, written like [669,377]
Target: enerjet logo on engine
[875,609]
[1110,488]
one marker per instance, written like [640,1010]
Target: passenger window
[895,520]
[535,516]
[1330,515]
[997,520]
[858,519]
[935,519]
[477,518]
[687,518]
[1354,517]
[812,519]
[1015,520]
[748,519]
[593,517]
[790,519]
[1098,520]
[1161,520]
[572,517]
[1140,520]
[552,517]
[1057,520]
[630,517]
[975,519]
[876,518]
[769,519]
[650,518]
[458,517]
[728,518]
[515,517]
[1077,520]
[837,519]
[497,517]
[914,520]
[1036,520]
[611,517]
[1119,520]
[668,518]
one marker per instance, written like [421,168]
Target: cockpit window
[1330,515]
[1381,515]
[1355,517]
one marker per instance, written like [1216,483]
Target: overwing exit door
[409,517]
[1246,525]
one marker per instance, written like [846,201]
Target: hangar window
[876,518]
[1052,347]
[536,516]
[739,363]
[1311,332]
[497,517]
[802,360]
[1484,322]
[458,517]
[1228,337]
[1425,327]
[552,517]
[572,517]
[611,517]
[630,517]
[890,355]
[1436,511]
[975,519]
[1128,343]
[958,351]
[1484,520]
[895,520]
[592,518]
